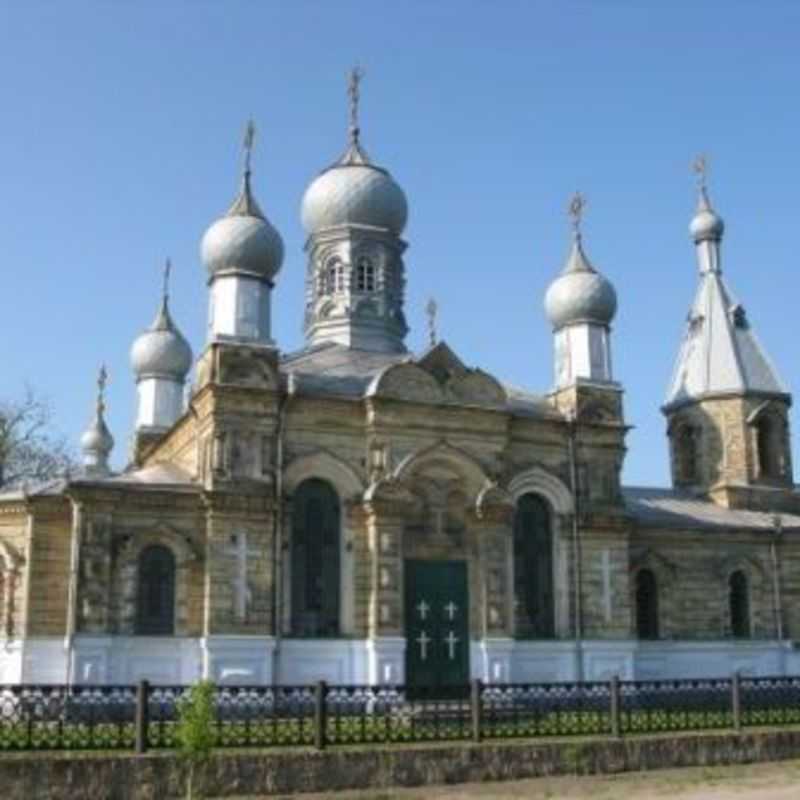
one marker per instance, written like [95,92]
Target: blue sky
[120,143]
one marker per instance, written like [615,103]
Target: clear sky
[120,143]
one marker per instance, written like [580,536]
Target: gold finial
[576,207]
[700,169]
[167,270]
[102,380]
[432,309]
[354,93]
[247,143]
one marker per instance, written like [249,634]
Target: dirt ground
[780,781]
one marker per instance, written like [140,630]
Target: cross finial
[700,169]
[431,310]
[102,380]
[247,143]
[167,270]
[576,207]
[354,93]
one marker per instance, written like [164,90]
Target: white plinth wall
[263,660]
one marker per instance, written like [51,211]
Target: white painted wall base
[261,660]
[242,660]
[387,660]
[336,661]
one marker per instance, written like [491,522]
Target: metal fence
[144,717]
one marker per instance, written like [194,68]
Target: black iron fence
[144,717]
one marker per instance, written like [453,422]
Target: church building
[359,513]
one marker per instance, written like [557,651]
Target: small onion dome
[354,192]
[706,223]
[97,441]
[161,351]
[243,241]
[580,293]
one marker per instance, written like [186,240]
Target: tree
[195,730]
[29,450]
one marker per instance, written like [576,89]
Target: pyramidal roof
[719,354]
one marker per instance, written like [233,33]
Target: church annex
[358,513]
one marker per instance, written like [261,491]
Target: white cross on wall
[240,552]
[451,640]
[451,609]
[423,609]
[423,640]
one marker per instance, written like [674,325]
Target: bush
[194,732]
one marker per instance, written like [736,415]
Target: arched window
[365,275]
[533,569]
[768,440]
[315,560]
[739,604]
[333,277]
[646,605]
[155,608]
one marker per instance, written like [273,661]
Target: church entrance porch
[437,625]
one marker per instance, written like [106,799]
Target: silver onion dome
[243,240]
[161,351]
[354,192]
[706,223]
[580,293]
[97,441]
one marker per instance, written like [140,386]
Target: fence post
[475,708]
[320,714]
[736,701]
[142,715]
[616,729]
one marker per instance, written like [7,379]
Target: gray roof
[719,354]
[335,370]
[668,508]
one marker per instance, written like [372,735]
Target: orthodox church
[359,513]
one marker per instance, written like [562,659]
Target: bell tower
[726,408]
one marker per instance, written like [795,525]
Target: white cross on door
[450,610]
[423,609]
[423,640]
[451,640]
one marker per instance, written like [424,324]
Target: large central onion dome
[354,192]
[161,351]
[243,241]
[580,293]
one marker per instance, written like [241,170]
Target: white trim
[538,480]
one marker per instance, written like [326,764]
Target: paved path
[753,782]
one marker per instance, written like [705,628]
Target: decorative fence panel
[145,717]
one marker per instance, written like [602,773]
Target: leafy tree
[195,730]
[29,451]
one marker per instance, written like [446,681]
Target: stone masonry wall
[66,776]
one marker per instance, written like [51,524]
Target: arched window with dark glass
[646,605]
[533,569]
[155,609]
[739,604]
[365,275]
[315,560]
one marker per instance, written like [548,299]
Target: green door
[437,625]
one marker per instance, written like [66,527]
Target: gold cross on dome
[102,380]
[700,168]
[432,309]
[577,205]
[247,142]
[354,93]
[167,270]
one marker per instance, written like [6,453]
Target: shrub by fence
[144,717]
